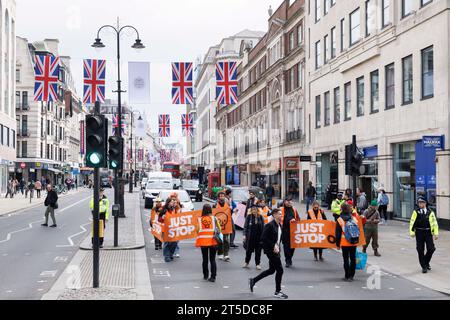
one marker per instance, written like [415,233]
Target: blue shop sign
[436,142]
[420,180]
[370,152]
[431,180]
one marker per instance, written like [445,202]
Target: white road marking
[418,289]
[4,255]
[310,287]
[49,274]
[391,288]
[40,290]
[226,287]
[60,259]
[74,235]
[27,254]
[8,291]
[166,287]
[364,287]
[196,287]
[74,204]
[42,281]
[161,272]
[337,287]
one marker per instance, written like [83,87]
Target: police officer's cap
[340,194]
[421,199]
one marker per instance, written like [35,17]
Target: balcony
[293,135]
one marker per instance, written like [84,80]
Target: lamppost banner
[139,82]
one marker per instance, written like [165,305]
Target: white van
[156,182]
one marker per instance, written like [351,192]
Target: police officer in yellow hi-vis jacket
[103,214]
[424,227]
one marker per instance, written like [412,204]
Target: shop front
[292,171]
[368,181]
[233,175]
[267,172]
[327,173]
[415,174]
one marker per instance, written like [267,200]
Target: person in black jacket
[251,202]
[290,214]
[253,229]
[271,242]
[50,203]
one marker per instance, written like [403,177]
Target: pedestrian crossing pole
[354,174]
[96,239]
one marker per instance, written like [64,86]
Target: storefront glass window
[404,179]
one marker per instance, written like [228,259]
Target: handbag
[361,260]
[55,206]
[218,233]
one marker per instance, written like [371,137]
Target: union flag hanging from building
[187,123]
[46,76]
[94,72]
[164,125]
[115,124]
[182,84]
[226,83]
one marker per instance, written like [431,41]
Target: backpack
[384,199]
[351,231]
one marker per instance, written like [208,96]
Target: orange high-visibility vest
[265,213]
[344,242]
[296,216]
[313,216]
[205,235]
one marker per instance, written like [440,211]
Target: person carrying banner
[224,249]
[346,238]
[253,229]
[316,214]
[336,205]
[169,247]
[156,211]
[288,214]
[271,242]
[424,227]
[206,241]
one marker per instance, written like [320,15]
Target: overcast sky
[178,30]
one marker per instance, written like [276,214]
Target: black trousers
[424,237]
[382,209]
[274,266]
[317,250]
[288,252]
[158,243]
[248,254]
[209,255]
[233,235]
[349,255]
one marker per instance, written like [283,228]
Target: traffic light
[353,161]
[115,152]
[96,144]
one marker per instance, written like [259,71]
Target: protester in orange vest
[253,229]
[207,225]
[169,247]
[224,249]
[156,211]
[265,211]
[348,249]
[288,214]
[315,213]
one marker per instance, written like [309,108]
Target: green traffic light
[95,158]
[114,164]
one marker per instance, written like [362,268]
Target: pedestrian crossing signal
[96,144]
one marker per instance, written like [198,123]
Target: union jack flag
[46,74]
[115,124]
[94,80]
[182,85]
[164,125]
[187,122]
[226,83]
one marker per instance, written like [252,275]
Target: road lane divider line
[74,235]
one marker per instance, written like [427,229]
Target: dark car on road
[193,189]
[105,183]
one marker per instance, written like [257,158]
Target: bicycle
[61,188]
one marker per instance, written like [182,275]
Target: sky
[172,31]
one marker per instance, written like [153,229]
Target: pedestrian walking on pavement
[270,192]
[328,196]
[346,236]
[157,208]
[16,186]
[288,214]
[31,189]
[383,202]
[38,187]
[207,226]
[103,211]
[271,243]
[9,189]
[169,248]
[51,202]
[234,209]
[253,229]
[316,214]
[336,205]
[310,195]
[224,249]
[371,227]
[22,185]
[424,227]
[361,202]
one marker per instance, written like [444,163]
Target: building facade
[7,90]
[379,69]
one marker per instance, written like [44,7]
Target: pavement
[124,271]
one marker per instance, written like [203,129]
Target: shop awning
[55,170]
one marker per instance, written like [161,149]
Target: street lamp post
[130,190]
[118,190]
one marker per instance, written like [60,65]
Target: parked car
[242,193]
[153,188]
[105,183]
[193,189]
[184,197]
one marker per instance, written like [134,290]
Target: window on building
[24,149]
[326,49]
[47,154]
[318,111]
[300,34]
[17,100]
[292,78]
[360,97]
[326,6]
[407,80]
[342,35]
[48,127]
[427,73]
[355,32]
[326,102]
[347,101]
[301,71]
[318,54]
[18,75]
[24,125]
[25,100]
[424,2]
[7,136]
[317,6]
[337,105]
[370,17]
[13,133]
[291,41]
[390,86]
[385,14]
[41,150]
[406,7]
[333,42]
[374,91]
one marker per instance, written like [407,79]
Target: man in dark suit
[271,242]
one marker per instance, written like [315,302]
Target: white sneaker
[226,258]
[245,266]
[177,255]
[220,257]
[280,295]
[258,267]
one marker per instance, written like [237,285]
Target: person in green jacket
[424,226]
[103,210]
[336,205]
